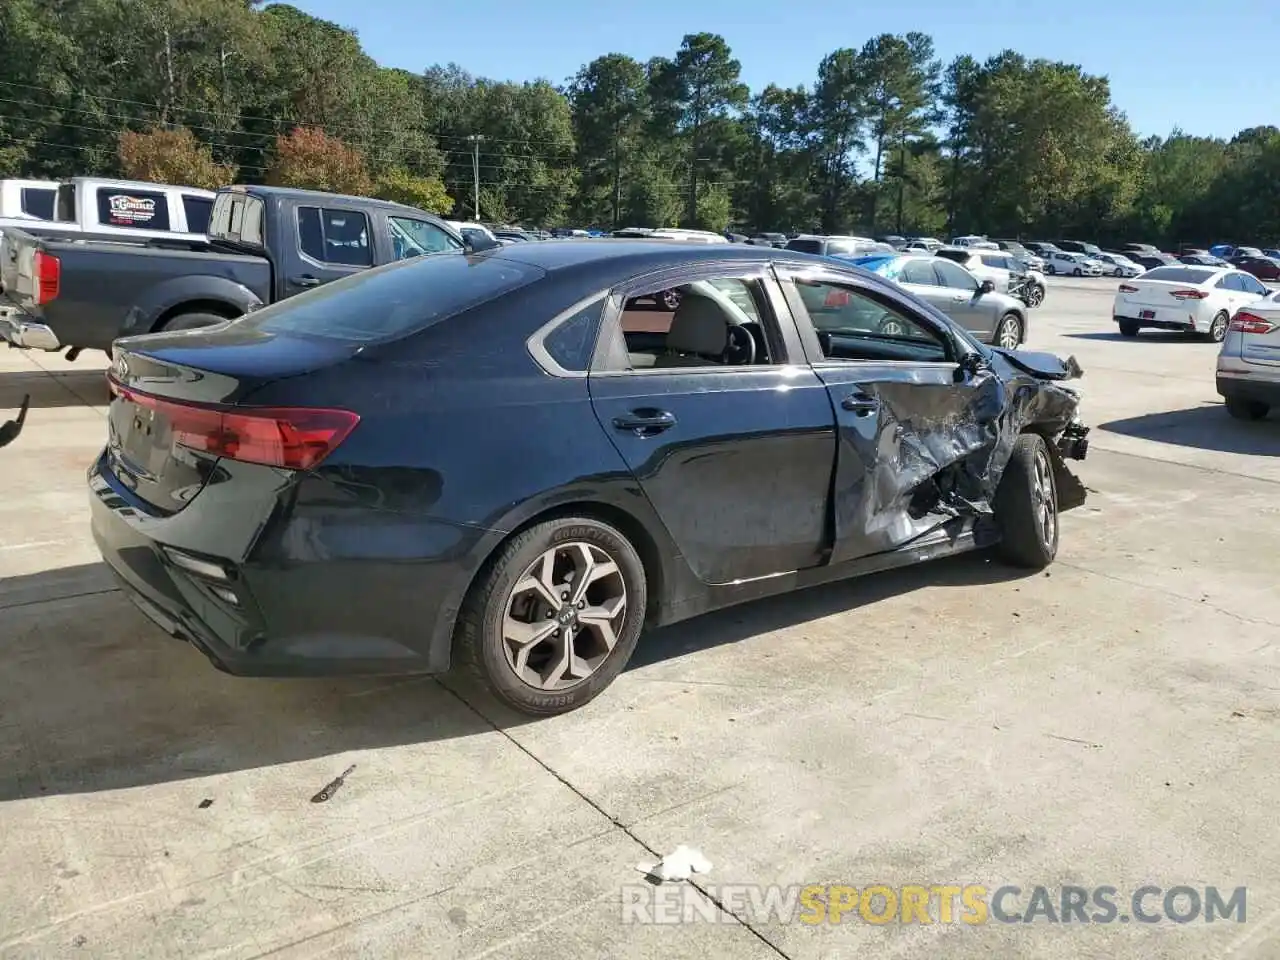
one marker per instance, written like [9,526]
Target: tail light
[1189,294]
[1246,322]
[295,438]
[1127,288]
[48,276]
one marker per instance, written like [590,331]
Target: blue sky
[1198,66]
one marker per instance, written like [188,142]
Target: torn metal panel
[920,445]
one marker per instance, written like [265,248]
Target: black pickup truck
[264,244]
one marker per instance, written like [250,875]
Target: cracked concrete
[1114,721]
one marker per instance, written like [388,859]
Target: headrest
[699,326]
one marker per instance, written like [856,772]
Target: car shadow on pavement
[1206,427]
[63,388]
[1155,336]
[93,697]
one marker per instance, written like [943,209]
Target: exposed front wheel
[1218,329]
[1035,295]
[1077,272]
[1026,505]
[556,617]
[1243,409]
[1129,329]
[1051,270]
[1009,332]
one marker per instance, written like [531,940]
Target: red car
[1264,268]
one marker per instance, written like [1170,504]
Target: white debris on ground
[678,865]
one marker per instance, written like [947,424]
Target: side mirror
[987,287]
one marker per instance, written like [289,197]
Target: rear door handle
[646,421]
[305,281]
[861,404]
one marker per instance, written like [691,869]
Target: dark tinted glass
[1178,274]
[197,210]
[395,300]
[132,208]
[39,203]
[805,246]
[571,343]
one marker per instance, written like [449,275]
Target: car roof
[613,260]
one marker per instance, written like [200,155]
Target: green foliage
[884,139]
[425,193]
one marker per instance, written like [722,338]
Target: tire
[1051,270]
[481,648]
[1008,333]
[1026,506]
[1077,272]
[191,321]
[1218,328]
[1119,272]
[1242,409]
[1129,328]
[1035,295]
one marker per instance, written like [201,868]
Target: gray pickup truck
[265,244]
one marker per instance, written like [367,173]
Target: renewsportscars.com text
[968,904]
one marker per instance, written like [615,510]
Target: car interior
[721,323]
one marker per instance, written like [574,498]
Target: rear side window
[197,210]
[335,236]
[573,340]
[39,203]
[394,300]
[1178,274]
[141,210]
[237,217]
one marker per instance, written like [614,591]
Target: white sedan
[1060,262]
[1191,299]
[1118,266]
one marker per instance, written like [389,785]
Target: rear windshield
[1179,274]
[395,300]
[805,246]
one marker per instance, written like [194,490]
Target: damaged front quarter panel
[939,440]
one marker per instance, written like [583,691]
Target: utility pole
[475,139]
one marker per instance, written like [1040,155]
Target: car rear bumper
[22,331]
[274,618]
[1249,388]
[1163,319]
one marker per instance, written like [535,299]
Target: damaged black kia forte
[511,462]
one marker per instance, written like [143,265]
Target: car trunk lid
[179,406]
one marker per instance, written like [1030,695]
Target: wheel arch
[217,307]
[659,573]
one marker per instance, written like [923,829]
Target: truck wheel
[1026,505]
[556,616]
[190,321]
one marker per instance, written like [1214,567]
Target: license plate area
[1147,315]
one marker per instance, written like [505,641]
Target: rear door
[332,239]
[735,457]
[915,431]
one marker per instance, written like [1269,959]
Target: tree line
[886,138]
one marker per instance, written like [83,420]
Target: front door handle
[646,421]
[306,280]
[960,298]
[861,404]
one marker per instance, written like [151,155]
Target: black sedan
[512,461]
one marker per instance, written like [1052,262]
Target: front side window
[1251,285]
[136,209]
[413,238]
[851,325]
[335,236]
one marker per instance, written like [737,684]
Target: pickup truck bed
[108,289]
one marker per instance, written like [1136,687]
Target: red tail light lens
[48,276]
[295,438]
[1189,294]
[1245,322]
[1127,288]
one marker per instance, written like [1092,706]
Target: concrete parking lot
[1114,721]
